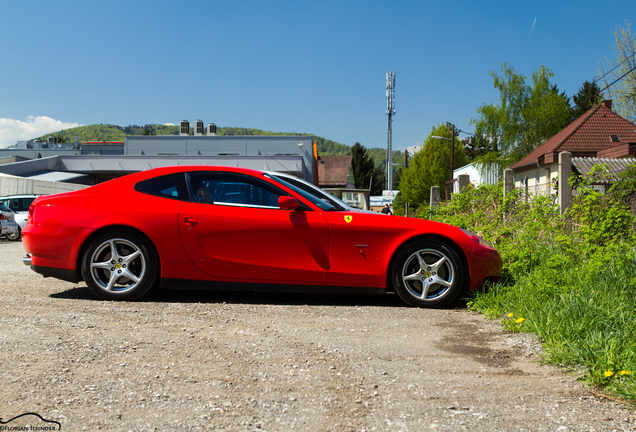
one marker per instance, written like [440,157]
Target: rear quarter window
[170,186]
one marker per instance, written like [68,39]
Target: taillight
[2,217]
[31,213]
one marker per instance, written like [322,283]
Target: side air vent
[198,127]
[185,127]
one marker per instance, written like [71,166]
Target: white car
[8,226]
[19,204]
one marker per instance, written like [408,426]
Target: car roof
[157,172]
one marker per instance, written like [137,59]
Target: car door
[235,231]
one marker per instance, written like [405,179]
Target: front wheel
[119,265]
[427,273]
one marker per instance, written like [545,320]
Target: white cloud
[12,131]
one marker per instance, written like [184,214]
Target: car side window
[223,188]
[169,186]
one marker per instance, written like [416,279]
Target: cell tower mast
[390,112]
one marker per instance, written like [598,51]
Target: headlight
[477,239]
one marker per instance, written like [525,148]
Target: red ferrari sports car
[233,228]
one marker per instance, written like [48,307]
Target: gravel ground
[199,360]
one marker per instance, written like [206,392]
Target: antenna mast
[390,112]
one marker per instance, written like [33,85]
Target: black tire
[125,275]
[15,237]
[427,273]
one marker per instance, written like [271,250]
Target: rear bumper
[53,246]
[64,274]
[8,228]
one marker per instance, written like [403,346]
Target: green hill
[106,132]
[102,132]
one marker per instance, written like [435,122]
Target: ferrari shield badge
[348,218]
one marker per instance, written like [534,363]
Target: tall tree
[526,115]
[365,171]
[588,95]
[430,166]
[619,74]
[566,118]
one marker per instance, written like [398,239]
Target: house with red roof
[335,175]
[599,133]
[336,172]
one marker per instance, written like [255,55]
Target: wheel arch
[431,236]
[88,239]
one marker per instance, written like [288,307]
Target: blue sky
[313,67]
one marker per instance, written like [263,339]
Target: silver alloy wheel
[15,236]
[428,274]
[117,265]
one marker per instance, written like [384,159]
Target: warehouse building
[34,167]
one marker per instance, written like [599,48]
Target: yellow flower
[510,314]
[609,373]
[624,372]
[520,320]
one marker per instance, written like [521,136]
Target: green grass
[570,280]
[583,311]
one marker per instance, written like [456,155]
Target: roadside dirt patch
[482,343]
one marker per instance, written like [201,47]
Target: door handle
[191,221]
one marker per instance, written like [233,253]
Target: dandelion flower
[510,314]
[625,372]
[520,320]
[609,373]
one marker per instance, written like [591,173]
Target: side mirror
[288,203]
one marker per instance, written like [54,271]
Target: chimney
[607,104]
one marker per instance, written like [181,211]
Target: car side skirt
[240,286]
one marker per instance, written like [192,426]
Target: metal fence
[538,189]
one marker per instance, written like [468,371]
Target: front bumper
[484,266]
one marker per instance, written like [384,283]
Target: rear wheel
[427,273]
[15,236]
[119,265]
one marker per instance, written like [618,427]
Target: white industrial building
[51,167]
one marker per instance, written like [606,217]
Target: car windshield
[308,191]
[4,208]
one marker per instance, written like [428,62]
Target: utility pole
[390,111]
[406,165]
[452,151]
